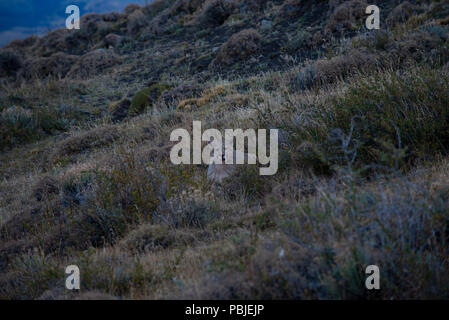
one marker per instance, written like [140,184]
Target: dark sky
[20,18]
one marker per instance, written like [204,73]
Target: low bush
[55,66]
[119,109]
[130,188]
[403,12]
[214,12]
[84,141]
[131,8]
[348,16]
[401,117]
[247,182]
[10,63]
[136,21]
[146,97]
[19,125]
[150,237]
[326,71]
[182,211]
[93,63]
[239,46]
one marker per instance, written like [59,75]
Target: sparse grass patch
[206,97]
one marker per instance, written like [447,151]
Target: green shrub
[394,112]
[130,187]
[19,125]
[29,276]
[146,97]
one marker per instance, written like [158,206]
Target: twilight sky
[21,18]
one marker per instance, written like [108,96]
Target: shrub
[93,63]
[340,67]
[416,46]
[10,63]
[136,21]
[238,47]
[111,16]
[185,6]
[182,211]
[215,12]
[397,225]
[246,181]
[46,186]
[150,237]
[107,205]
[291,9]
[53,42]
[131,189]
[186,90]
[439,9]
[146,97]
[119,109]
[314,256]
[91,23]
[438,30]
[18,125]
[29,276]
[395,116]
[55,66]
[112,39]
[131,8]
[347,16]
[403,12]
[251,6]
[158,25]
[23,44]
[83,141]
[306,77]
[156,7]
[207,96]
[327,71]
[79,42]
[300,40]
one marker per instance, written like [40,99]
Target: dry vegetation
[86,179]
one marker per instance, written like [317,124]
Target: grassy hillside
[86,176]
